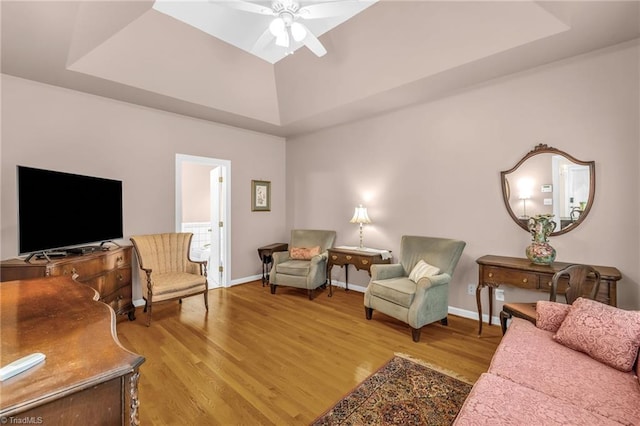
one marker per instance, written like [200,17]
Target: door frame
[225,212]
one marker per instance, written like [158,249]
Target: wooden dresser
[108,272]
[519,272]
[87,378]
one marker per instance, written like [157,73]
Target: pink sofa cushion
[530,357]
[549,315]
[606,333]
[498,401]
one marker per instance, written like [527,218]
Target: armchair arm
[319,258]
[426,283]
[279,257]
[386,271]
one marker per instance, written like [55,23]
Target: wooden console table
[520,272]
[361,259]
[87,378]
[266,256]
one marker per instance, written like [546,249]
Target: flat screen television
[59,210]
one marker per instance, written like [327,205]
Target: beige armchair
[421,299]
[170,274]
[305,264]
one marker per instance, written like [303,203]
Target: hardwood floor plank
[257,358]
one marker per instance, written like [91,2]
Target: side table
[360,258]
[266,256]
[520,272]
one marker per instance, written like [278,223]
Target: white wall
[434,169]
[53,128]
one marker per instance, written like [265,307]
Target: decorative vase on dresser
[540,251]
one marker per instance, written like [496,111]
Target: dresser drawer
[510,277]
[82,269]
[341,258]
[109,282]
[119,300]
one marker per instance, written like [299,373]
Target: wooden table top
[64,320]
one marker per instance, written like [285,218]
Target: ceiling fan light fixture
[298,31]
[283,39]
[277,27]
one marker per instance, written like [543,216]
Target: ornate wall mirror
[549,181]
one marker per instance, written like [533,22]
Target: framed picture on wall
[260,196]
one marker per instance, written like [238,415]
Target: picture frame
[260,195]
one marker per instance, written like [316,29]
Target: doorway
[203,194]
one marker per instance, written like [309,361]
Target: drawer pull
[490,274]
[119,259]
[334,257]
[120,277]
[549,283]
[365,262]
[524,280]
[349,257]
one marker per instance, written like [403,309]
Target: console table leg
[479,305]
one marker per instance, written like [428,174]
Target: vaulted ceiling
[392,54]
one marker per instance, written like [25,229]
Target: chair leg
[444,321]
[503,321]
[310,294]
[149,313]
[180,301]
[206,300]
[368,312]
[415,334]
[146,304]
[273,288]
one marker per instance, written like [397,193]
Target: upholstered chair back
[441,252]
[167,252]
[311,238]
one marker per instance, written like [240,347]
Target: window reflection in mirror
[549,181]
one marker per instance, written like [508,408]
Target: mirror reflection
[549,181]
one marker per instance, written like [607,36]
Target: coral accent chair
[577,275]
[170,274]
[305,264]
[417,303]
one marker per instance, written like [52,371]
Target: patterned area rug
[402,392]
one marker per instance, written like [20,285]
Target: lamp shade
[360,215]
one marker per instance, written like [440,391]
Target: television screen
[57,210]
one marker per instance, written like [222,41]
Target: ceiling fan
[287,24]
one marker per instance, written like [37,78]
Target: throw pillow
[605,333]
[549,315]
[304,253]
[421,270]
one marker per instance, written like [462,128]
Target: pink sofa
[536,379]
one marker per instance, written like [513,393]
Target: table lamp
[360,216]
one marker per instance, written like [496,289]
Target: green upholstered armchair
[169,272]
[305,264]
[392,292]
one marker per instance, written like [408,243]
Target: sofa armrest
[386,271]
[319,258]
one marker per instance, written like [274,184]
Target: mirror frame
[544,149]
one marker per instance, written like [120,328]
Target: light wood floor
[258,358]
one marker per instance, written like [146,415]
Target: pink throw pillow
[605,333]
[303,253]
[549,315]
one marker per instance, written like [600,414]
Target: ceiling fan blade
[246,6]
[263,41]
[329,10]
[313,44]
